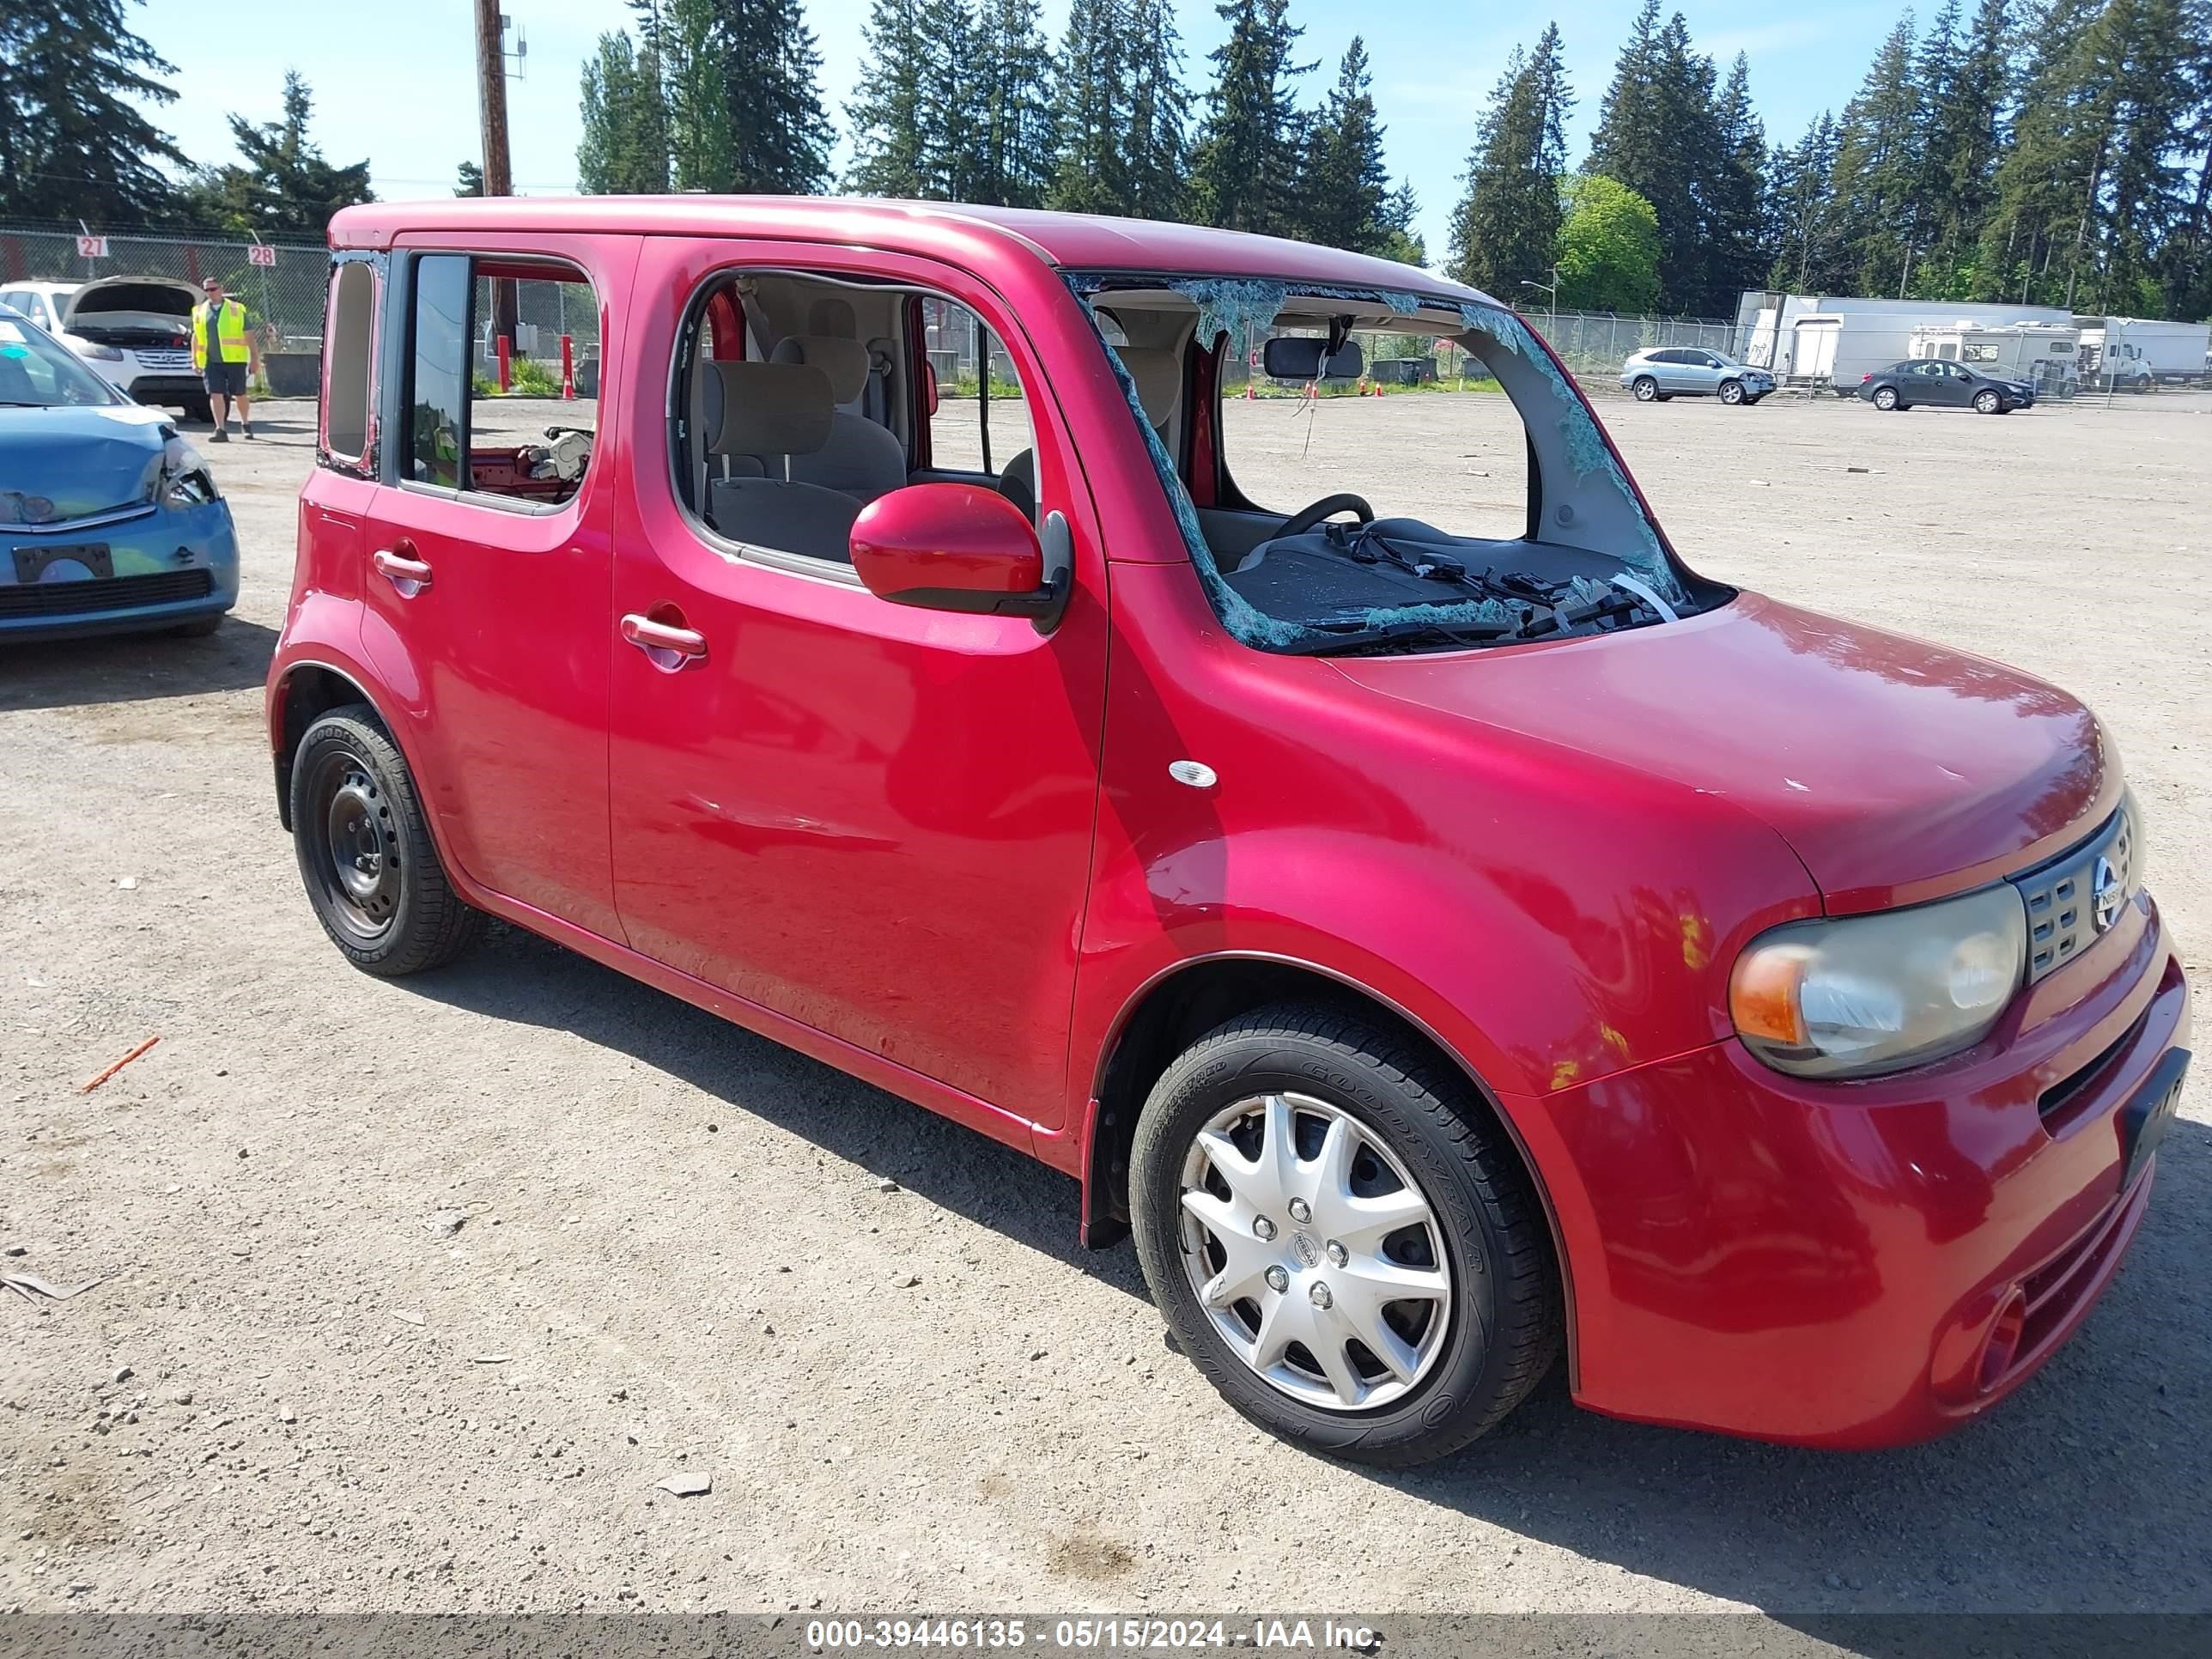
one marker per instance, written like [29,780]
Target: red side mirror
[954,547]
[929,390]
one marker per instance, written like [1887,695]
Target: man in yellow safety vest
[225,354]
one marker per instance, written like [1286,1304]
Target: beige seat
[1158,375]
[861,457]
[771,416]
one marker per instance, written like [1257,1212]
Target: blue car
[109,523]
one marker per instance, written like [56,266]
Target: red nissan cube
[1344,835]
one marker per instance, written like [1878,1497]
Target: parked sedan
[1939,383]
[111,523]
[1663,372]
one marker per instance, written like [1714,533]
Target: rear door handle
[409,576]
[665,647]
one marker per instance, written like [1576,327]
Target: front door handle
[409,576]
[666,646]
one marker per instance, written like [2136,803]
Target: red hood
[1898,770]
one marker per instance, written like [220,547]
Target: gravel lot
[293,1389]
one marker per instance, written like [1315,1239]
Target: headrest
[771,408]
[1158,375]
[833,316]
[843,359]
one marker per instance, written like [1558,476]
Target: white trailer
[2044,355]
[1832,342]
[2134,354]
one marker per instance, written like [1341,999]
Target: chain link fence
[288,293]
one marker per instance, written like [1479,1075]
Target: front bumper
[1828,1264]
[167,388]
[171,566]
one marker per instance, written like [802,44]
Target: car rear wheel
[1885,398]
[365,853]
[1989,403]
[1731,392]
[1646,389]
[1341,1239]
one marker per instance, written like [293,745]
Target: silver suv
[1663,372]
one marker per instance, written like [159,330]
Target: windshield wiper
[1360,637]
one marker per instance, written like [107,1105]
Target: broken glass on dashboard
[1505,520]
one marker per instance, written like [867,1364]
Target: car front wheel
[1885,398]
[1341,1239]
[1731,392]
[365,853]
[1989,403]
[1646,389]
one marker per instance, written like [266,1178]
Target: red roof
[1074,241]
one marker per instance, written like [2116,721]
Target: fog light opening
[2002,1346]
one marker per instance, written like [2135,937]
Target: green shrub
[532,379]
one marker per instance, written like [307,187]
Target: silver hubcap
[1317,1256]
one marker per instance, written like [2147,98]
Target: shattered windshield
[1471,501]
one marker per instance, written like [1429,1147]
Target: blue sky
[395,81]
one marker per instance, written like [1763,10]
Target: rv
[2043,355]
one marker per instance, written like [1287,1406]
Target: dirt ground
[294,1389]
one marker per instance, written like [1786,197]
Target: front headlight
[192,489]
[93,348]
[1857,996]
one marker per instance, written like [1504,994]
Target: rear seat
[774,415]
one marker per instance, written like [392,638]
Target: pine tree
[1156,153]
[1741,246]
[951,100]
[1014,143]
[1505,227]
[74,140]
[1963,135]
[780,134]
[1802,213]
[1346,184]
[1243,172]
[1091,111]
[1402,241]
[2186,257]
[1658,133]
[887,117]
[2047,186]
[1878,176]
[468,179]
[284,185]
[694,72]
[623,150]
[2145,197]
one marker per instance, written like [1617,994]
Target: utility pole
[491,97]
[498,165]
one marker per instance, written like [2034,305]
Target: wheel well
[310,691]
[1184,1006]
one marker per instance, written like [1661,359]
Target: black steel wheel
[365,853]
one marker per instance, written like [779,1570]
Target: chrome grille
[162,358]
[2061,897]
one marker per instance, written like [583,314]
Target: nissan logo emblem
[2106,895]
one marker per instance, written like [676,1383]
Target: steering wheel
[1298,523]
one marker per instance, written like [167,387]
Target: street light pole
[1551,292]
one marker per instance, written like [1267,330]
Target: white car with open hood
[134,332]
